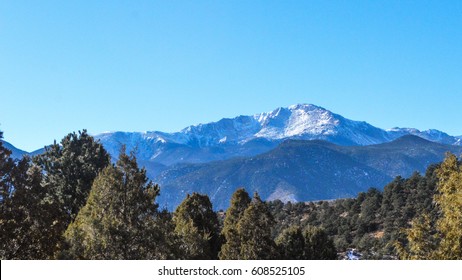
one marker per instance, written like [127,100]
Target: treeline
[73,202]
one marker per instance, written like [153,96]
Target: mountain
[15,152]
[18,153]
[256,151]
[245,136]
[431,135]
[402,156]
[300,170]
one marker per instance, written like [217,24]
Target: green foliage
[291,244]
[438,234]
[115,215]
[231,249]
[254,228]
[28,220]
[422,240]
[197,226]
[449,200]
[318,246]
[70,169]
[120,219]
[372,222]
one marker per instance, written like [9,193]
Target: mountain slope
[402,156]
[289,172]
[303,170]
[15,152]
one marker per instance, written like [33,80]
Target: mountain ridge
[252,135]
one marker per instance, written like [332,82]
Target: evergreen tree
[29,228]
[254,229]
[70,169]
[318,246]
[449,200]
[392,212]
[197,226]
[443,241]
[120,219]
[27,220]
[422,240]
[370,207]
[291,244]
[231,249]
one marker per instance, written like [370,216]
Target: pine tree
[120,219]
[27,219]
[291,244]
[369,211]
[254,229]
[70,169]
[197,226]
[318,246]
[393,203]
[231,249]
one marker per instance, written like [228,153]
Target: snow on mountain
[459,140]
[431,135]
[250,135]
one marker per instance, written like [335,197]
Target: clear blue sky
[163,65]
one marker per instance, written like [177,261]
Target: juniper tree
[27,220]
[231,249]
[69,170]
[196,224]
[318,246]
[120,219]
[291,244]
[254,229]
[438,236]
[30,228]
[449,200]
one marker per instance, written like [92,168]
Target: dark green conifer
[197,226]
[318,246]
[255,230]
[231,249]
[291,244]
[120,219]
[70,168]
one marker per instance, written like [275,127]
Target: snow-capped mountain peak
[297,120]
[249,135]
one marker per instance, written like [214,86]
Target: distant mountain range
[253,135]
[18,153]
[303,152]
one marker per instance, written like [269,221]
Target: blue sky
[163,65]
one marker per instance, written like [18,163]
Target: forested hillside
[71,202]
